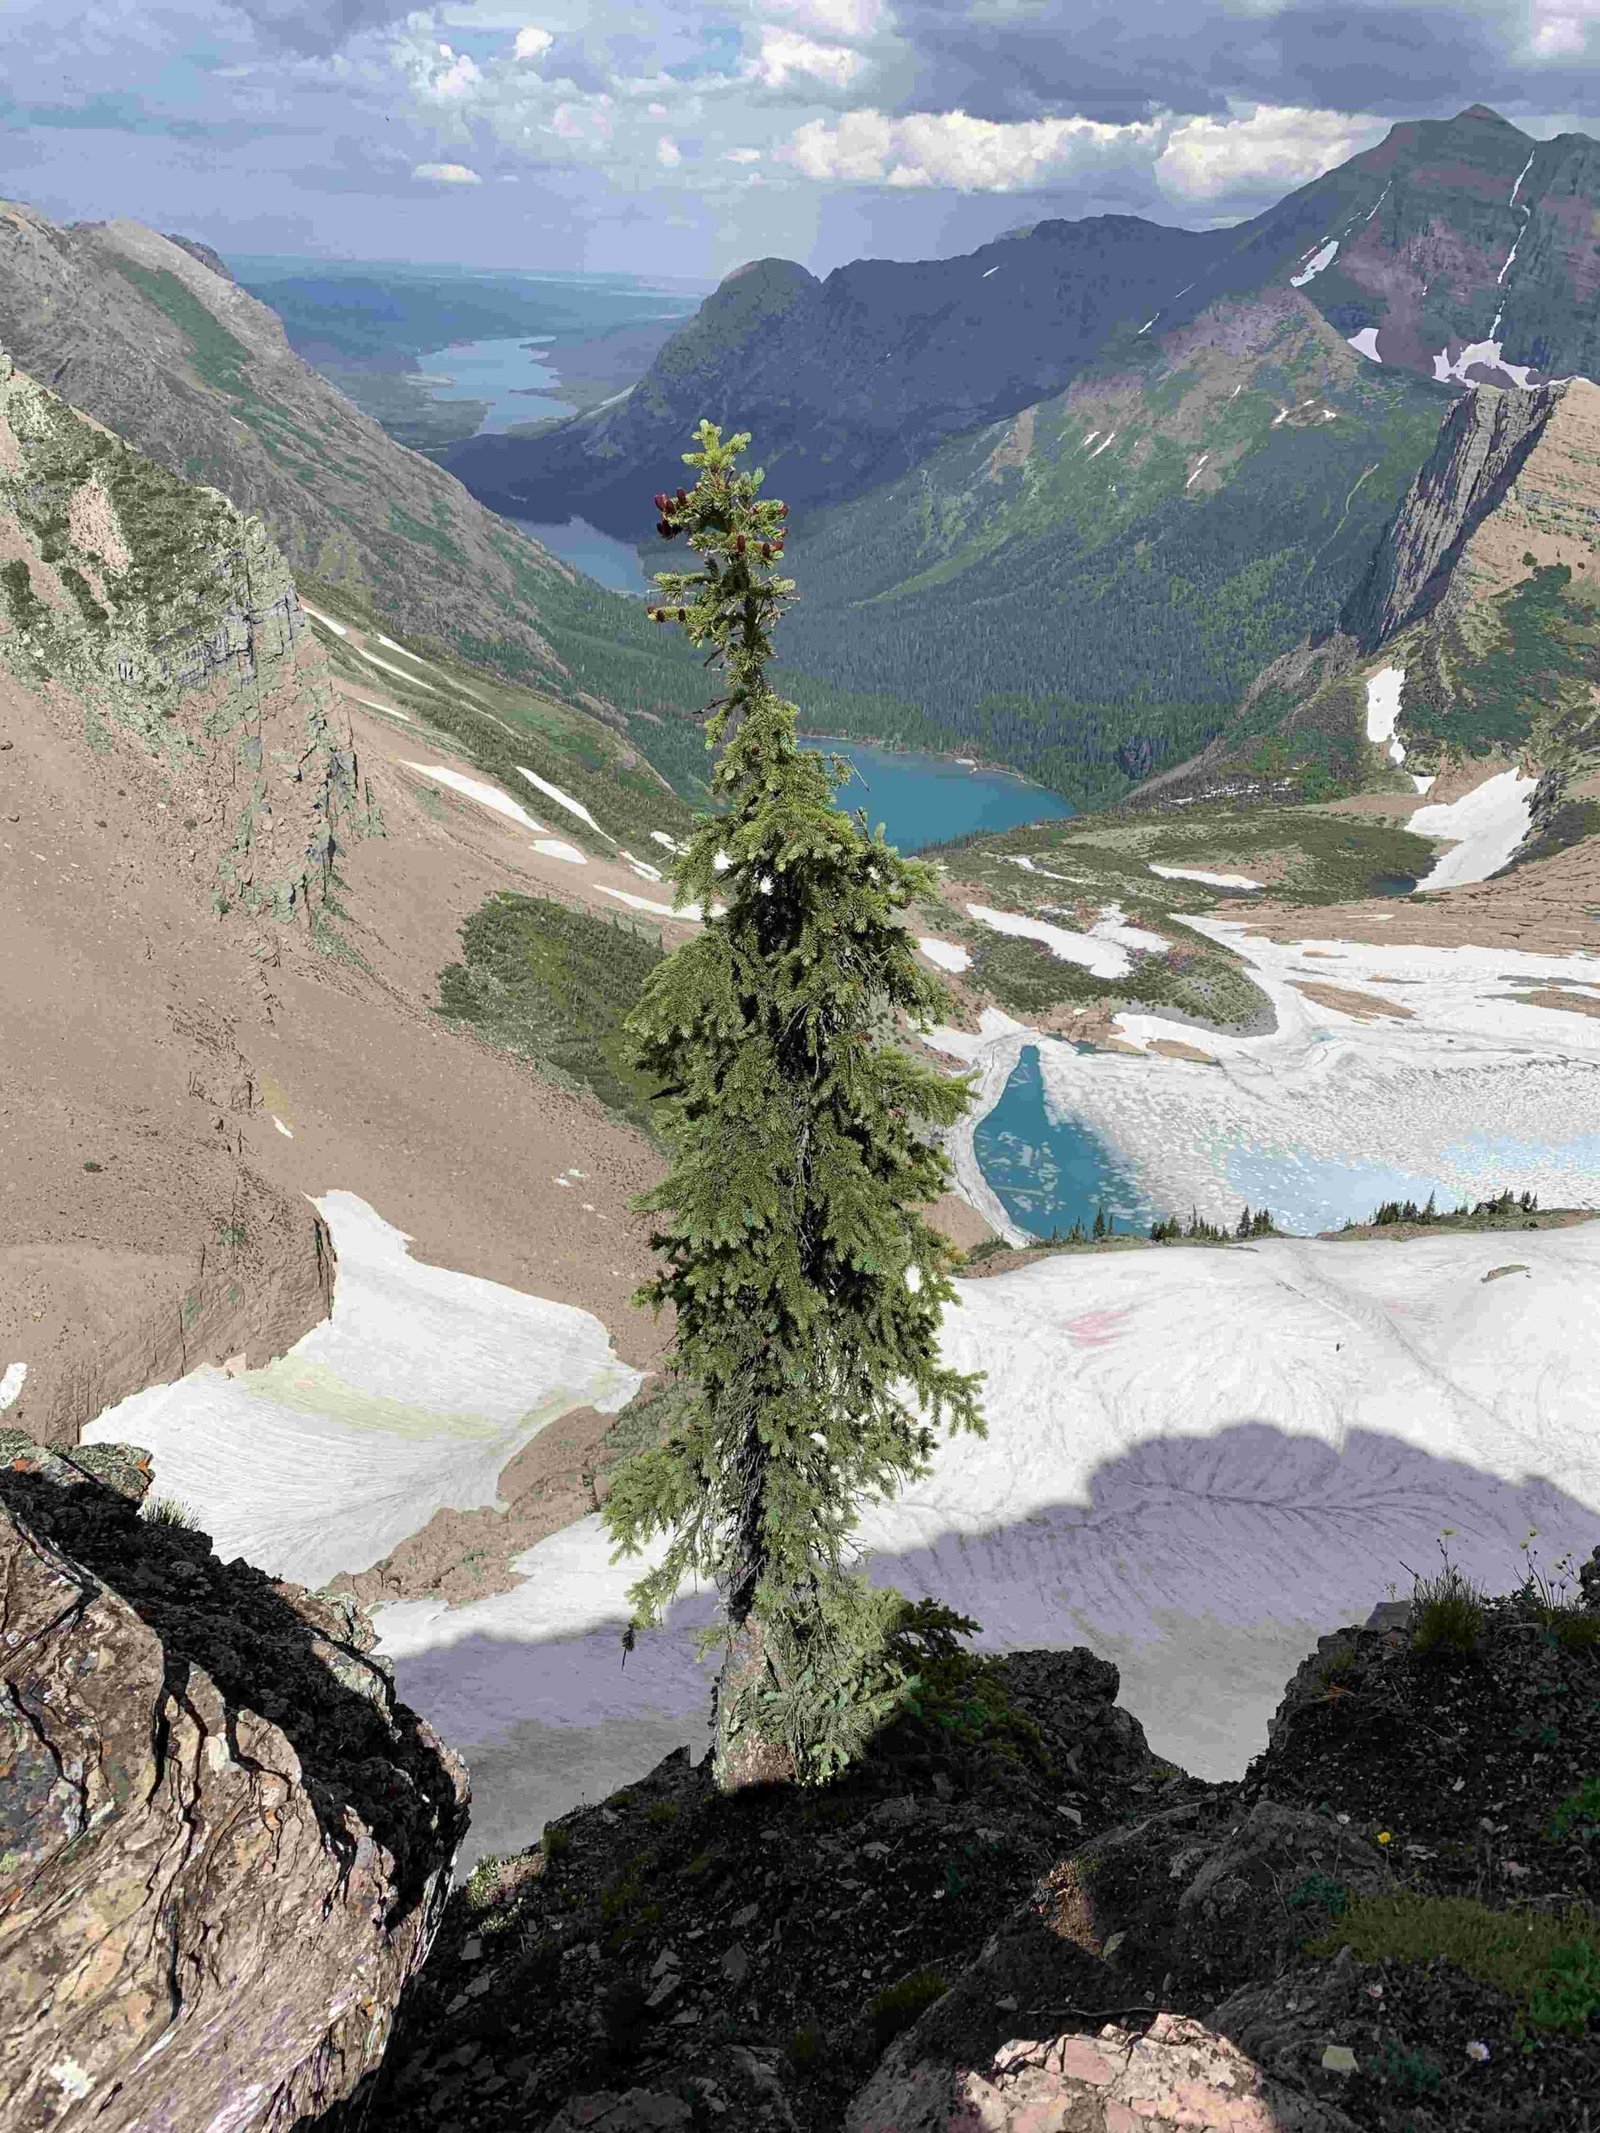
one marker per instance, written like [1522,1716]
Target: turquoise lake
[928,799]
[1048,1176]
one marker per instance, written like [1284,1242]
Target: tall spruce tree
[807,1286]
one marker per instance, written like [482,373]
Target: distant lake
[928,799]
[610,561]
[1049,1176]
[508,374]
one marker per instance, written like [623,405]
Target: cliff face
[1484,594]
[172,625]
[223,1844]
[177,781]
[1482,449]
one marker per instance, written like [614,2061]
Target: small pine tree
[807,1286]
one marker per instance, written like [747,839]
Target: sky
[683,137]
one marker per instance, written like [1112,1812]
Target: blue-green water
[928,799]
[612,562]
[1047,1176]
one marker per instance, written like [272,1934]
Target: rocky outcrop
[1482,448]
[167,626]
[223,1844]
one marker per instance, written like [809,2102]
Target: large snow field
[1327,1115]
[1198,1462]
[412,1397]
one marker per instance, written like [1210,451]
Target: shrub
[168,1511]
[897,2006]
[1447,1614]
[804,2045]
[556,1841]
[1411,2072]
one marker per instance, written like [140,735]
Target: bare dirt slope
[194,1040]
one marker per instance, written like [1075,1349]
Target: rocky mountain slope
[226,1845]
[1470,638]
[1011,1914]
[234,869]
[154,339]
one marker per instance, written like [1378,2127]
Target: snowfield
[1461,1083]
[412,1397]
[1383,709]
[1198,1462]
[1489,824]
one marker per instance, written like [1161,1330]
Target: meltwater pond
[1050,1174]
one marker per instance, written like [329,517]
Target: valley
[1230,659]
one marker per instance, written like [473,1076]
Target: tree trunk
[747,1759]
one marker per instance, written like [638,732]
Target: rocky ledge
[224,1846]
[1012,1916]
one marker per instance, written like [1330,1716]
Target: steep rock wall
[1482,448]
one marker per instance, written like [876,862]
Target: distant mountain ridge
[850,380]
[1059,501]
[1459,249]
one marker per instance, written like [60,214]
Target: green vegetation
[1447,1615]
[399,402]
[168,1511]
[555,986]
[1576,1820]
[1253,1222]
[219,358]
[807,1287]
[1522,666]
[897,2006]
[1547,1962]
[951,602]
[1506,1209]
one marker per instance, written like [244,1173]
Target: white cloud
[668,154]
[459,75]
[447,173]
[1276,145]
[1562,31]
[532,43]
[950,148]
[742,155]
[837,18]
[785,56]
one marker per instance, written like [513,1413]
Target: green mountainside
[150,338]
[1086,590]
[1484,592]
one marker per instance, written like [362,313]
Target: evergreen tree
[807,1286]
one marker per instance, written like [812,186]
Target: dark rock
[224,1848]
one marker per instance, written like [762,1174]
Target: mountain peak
[1482,111]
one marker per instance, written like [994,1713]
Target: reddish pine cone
[683,614]
[738,546]
[665,530]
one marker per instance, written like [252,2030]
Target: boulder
[1177,2077]
[224,1846]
